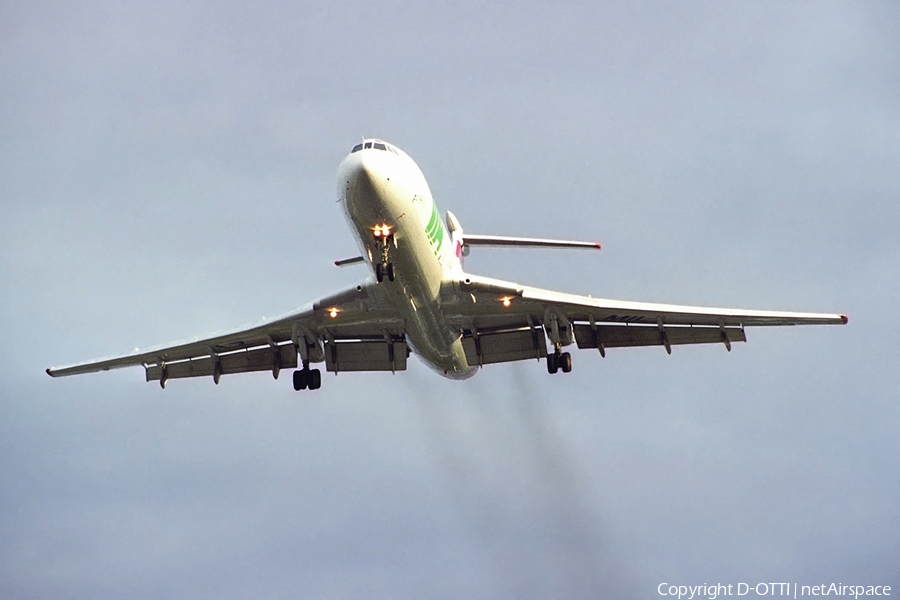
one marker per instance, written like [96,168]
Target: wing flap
[624,336]
[242,361]
[487,347]
[362,355]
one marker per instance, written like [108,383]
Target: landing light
[382,230]
[333,312]
[506,301]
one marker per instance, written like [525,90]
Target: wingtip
[49,372]
[597,245]
[844,319]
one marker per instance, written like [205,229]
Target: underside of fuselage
[389,207]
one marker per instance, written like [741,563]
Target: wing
[504,316]
[350,331]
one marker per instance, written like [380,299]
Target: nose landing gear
[385,239]
[383,269]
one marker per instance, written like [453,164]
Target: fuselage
[389,207]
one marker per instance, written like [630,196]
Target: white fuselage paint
[384,187]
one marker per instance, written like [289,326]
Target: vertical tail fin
[456,237]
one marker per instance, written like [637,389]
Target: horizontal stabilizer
[500,240]
[349,261]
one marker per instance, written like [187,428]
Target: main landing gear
[559,360]
[307,378]
[385,268]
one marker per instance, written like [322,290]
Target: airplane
[418,299]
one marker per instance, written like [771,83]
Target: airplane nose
[365,176]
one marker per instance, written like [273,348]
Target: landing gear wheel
[379,272]
[565,362]
[390,271]
[300,378]
[315,379]
[552,363]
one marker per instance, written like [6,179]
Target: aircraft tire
[390,271]
[315,379]
[300,380]
[552,363]
[379,272]
[565,362]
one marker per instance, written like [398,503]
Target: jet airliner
[418,299]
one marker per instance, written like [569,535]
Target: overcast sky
[168,169]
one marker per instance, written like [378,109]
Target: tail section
[456,237]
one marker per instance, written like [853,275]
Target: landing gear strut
[385,268]
[559,360]
[307,378]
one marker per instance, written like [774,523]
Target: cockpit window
[377,145]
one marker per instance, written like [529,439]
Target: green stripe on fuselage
[435,230]
[432,222]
